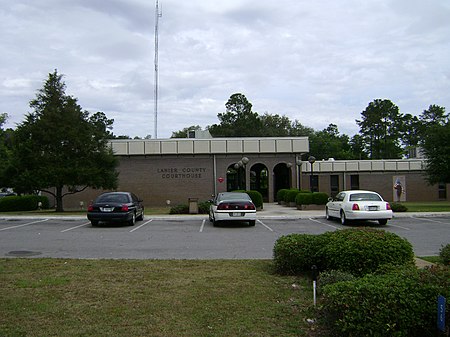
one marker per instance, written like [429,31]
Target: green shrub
[23,203]
[400,303]
[297,253]
[304,198]
[281,194]
[398,207]
[363,250]
[333,276]
[290,195]
[179,209]
[444,254]
[203,207]
[256,197]
[319,198]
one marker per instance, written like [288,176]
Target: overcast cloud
[319,62]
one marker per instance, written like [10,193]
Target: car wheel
[132,221]
[327,215]
[94,223]
[382,222]
[140,217]
[343,218]
[252,222]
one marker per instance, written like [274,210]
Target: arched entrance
[281,178]
[259,180]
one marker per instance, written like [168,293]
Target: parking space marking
[430,220]
[145,223]
[262,223]
[23,225]
[202,226]
[323,223]
[405,228]
[69,229]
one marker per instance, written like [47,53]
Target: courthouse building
[172,171]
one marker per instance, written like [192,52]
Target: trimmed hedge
[401,302]
[290,195]
[23,203]
[320,198]
[356,250]
[308,198]
[281,194]
[297,253]
[304,198]
[363,250]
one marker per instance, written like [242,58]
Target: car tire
[327,215]
[252,222]
[382,222]
[140,217]
[94,223]
[344,220]
[132,221]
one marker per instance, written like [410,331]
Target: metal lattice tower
[158,14]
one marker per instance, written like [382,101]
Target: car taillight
[249,206]
[388,206]
[223,206]
[124,208]
[90,208]
[355,207]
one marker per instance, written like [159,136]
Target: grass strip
[65,297]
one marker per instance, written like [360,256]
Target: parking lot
[189,238]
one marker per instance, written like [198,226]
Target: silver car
[232,206]
[358,205]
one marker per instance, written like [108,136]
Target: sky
[318,62]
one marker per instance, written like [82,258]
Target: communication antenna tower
[158,14]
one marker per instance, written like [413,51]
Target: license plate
[236,214]
[373,208]
[107,209]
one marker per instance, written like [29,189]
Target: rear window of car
[365,197]
[121,198]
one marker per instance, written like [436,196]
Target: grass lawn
[56,297]
[437,206]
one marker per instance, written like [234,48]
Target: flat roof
[180,146]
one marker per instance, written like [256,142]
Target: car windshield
[365,197]
[116,197]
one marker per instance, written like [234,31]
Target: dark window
[442,191]
[354,182]
[315,183]
[334,184]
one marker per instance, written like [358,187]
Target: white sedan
[358,205]
[232,206]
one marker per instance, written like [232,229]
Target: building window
[354,182]
[442,188]
[315,183]
[334,184]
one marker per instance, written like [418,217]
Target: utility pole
[158,14]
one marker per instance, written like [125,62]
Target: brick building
[170,171]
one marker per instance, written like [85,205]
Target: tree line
[62,149]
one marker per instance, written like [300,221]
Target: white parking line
[323,223]
[145,223]
[23,225]
[430,220]
[405,228]
[69,229]
[262,223]
[202,226]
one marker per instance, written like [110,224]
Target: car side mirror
[330,199]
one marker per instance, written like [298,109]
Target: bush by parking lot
[23,203]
